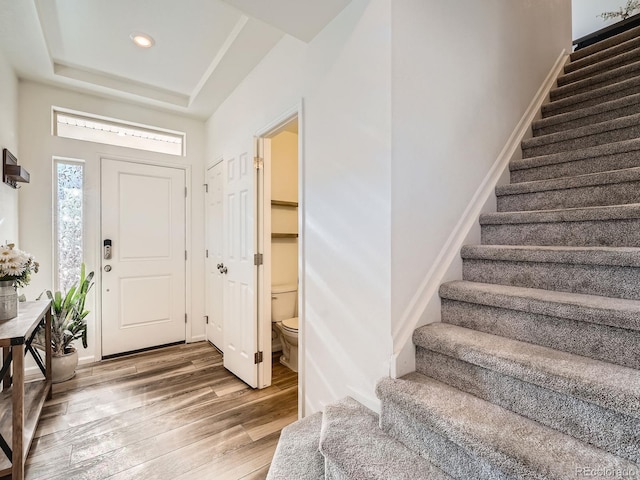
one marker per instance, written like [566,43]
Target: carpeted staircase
[534,371]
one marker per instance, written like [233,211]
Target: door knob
[223,270]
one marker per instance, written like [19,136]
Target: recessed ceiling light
[142,39]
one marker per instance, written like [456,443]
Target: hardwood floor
[173,413]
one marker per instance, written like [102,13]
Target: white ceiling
[203,48]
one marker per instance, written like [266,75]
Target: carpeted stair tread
[610,386]
[620,89]
[607,256]
[612,51]
[587,214]
[606,44]
[614,312]
[586,180]
[570,328]
[356,448]
[596,81]
[601,158]
[507,445]
[616,61]
[297,454]
[619,129]
[602,112]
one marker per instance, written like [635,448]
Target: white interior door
[143,283]
[239,272]
[215,225]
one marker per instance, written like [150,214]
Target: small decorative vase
[63,367]
[8,300]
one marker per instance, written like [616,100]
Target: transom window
[92,128]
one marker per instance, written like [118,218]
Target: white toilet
[284,311]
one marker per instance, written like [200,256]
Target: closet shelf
[284,235]
[282,203]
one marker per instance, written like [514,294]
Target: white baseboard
[424,307]
[197,338]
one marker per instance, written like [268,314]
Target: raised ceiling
[203,48]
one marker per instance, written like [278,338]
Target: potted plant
[68,323]
[16,267]
[624,12]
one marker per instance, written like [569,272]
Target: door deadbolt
[107,268]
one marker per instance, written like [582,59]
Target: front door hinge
[185,255]
[258,163]
[257,358]
[206,188]
[206,319]
[206,253]
[257,259]
[185,192]
[185,318]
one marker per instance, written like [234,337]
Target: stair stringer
[424,307]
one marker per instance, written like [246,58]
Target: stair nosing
[624,146]
[609,177]
[609,311]
[577,214]
[601,256]
[556,370]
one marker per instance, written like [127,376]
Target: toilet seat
[290,324]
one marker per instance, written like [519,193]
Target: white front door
[215,225]
[239,272]
[143,283]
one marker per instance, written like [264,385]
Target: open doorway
[281,287]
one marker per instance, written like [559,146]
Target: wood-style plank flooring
[172,413]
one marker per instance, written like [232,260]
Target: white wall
[37,149]
[585,15]
[9,140]
[463,75]
[343,75]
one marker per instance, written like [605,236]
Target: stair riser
[591,196]
[591,84]
[420,435]
[601,342]
[599,67]
[556,108]
[610,233]
[616,433]
[603,55]
[589,120]
[604,163]
[612,281]
[609,136]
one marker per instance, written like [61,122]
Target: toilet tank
[284,302]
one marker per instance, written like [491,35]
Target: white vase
[8,300]
[63,367]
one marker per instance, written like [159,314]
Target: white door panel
[240,315]
[215,213]
[143,291]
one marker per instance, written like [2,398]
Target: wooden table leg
[6,381]
[17,447]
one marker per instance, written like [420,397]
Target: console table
[20,402]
